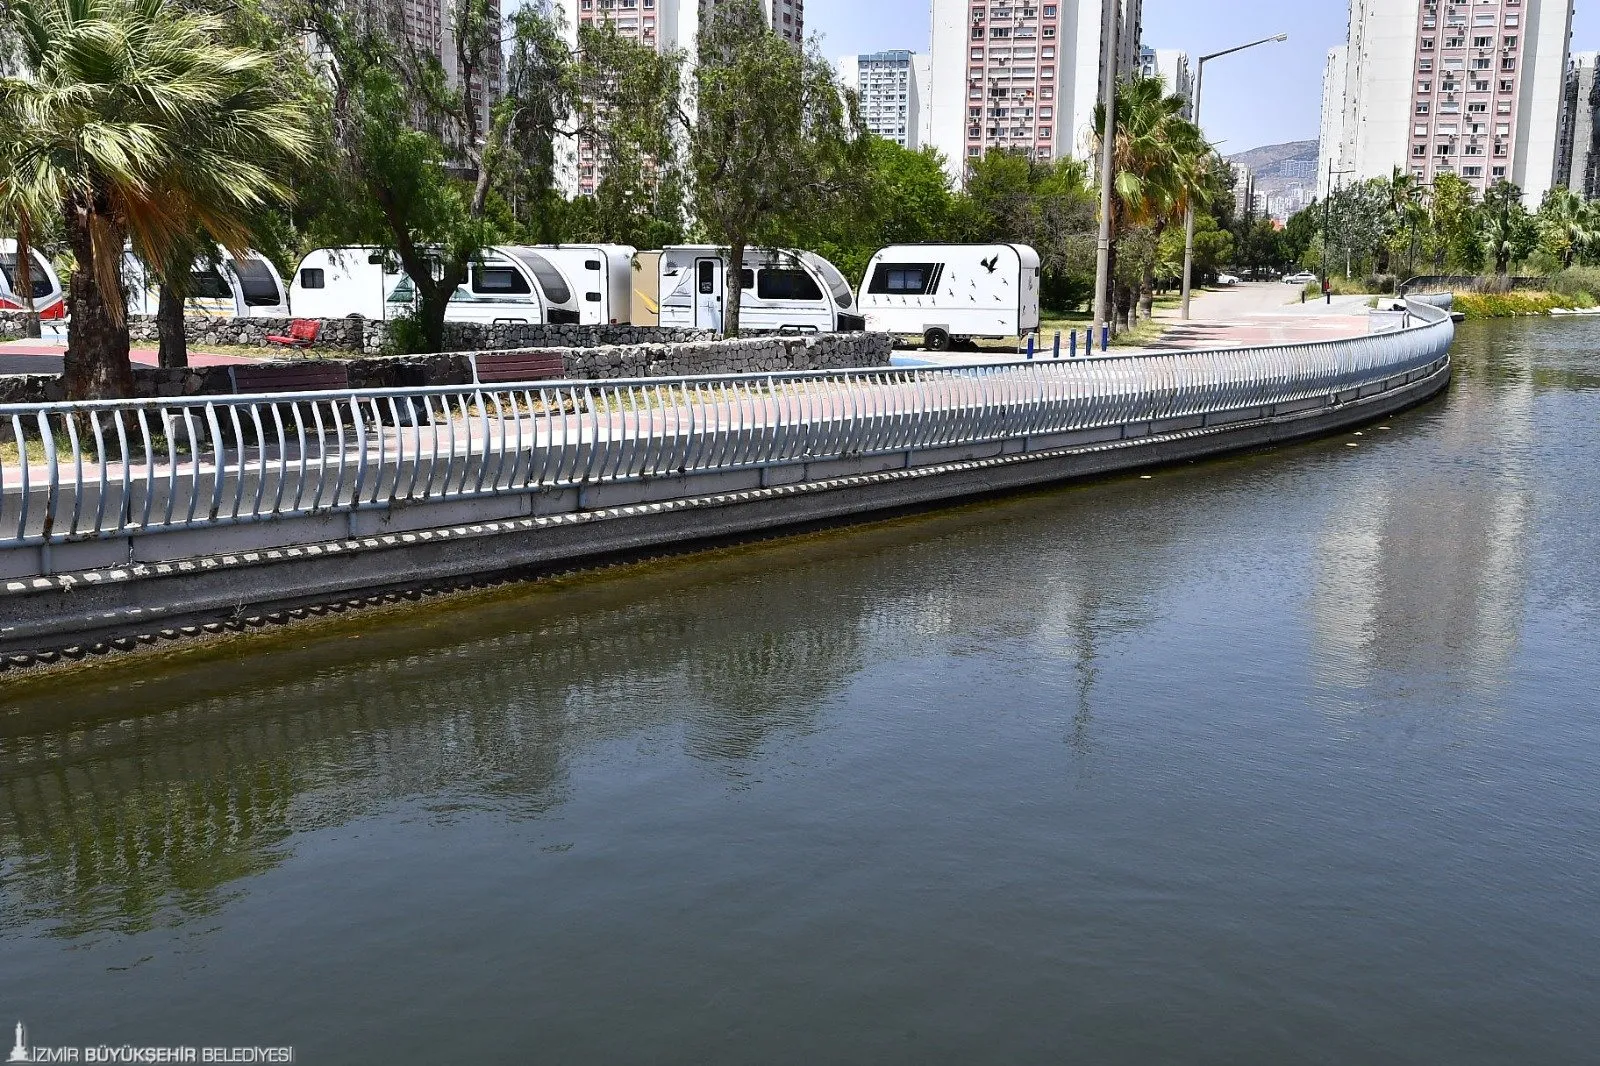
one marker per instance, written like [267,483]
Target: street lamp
[1188,215]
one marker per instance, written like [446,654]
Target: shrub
[1577,281]
[405,336]
[1521,302]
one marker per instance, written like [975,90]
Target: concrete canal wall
[580,473]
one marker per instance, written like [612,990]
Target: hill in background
[1286,175]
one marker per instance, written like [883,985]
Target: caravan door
[708,294]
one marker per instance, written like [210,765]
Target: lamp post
[1188,215]
[1327,226]
[1111,11]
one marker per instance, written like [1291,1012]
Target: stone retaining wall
[372,337]
[823,351]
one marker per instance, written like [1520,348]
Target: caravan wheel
[936,340]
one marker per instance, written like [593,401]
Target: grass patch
[1480,305]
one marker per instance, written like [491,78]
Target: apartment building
[1330,143]
[1021,75]
[1245,200]
[1172,67]
[1578,145]
[892,87]
[1466,87]
[663,25]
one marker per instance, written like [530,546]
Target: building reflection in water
[1423,569]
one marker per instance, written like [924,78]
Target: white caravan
[601,277]
[952,292]
[231,288]
[782,290]
[502,285]
[49,300]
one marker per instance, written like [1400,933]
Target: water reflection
[155,811]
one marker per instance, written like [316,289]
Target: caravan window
[208,284]
[903,279]
[40,280]
[260,288]
[747,278]
[313,278]
[499,281]
[551,280]
[837,285]
[779,284]
[708,277]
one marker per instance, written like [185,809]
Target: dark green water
[1291,758]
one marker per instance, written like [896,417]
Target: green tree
[1454,239]
[1509,232]
[774,138]
[1303,227]
[1047,205]
[1567,226]
[143,124]
[1357,224]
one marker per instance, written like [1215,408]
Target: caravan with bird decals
[948,293]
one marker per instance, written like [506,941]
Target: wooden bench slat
[288,378]
[492,367]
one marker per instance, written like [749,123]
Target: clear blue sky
[1265,96]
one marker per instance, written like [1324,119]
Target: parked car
[1304,277]
[1227,279]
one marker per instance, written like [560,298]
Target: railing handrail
[964,369]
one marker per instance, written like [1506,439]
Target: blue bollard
[1030,346]
[1088,340]
[1105,338]
[1072,344]
[1057,352]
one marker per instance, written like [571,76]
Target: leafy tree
[1048,206]
[774,137]
[1567,226]
[1509,232]
[143,124]
[1303,227]
[1454,237]
[1262,249]
[1357,223]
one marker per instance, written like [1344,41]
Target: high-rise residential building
[1330,146]
[1172,67]
[1244,192]
[890,89]
[1021,75]
[663,25]
[1465,87]
[1578,146]
[426,27]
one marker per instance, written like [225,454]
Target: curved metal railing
[138,467]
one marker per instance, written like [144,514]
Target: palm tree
[1407,210]
[143,125]
[20,205]
[1156,161]
[1566,224]
[1505,225]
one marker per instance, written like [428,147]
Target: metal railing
[81,471]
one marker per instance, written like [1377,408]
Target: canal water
[1284,758]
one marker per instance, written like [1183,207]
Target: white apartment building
[1172,67]
[663,25]
[1578,147]
[1330,145]
[890,86]
[1021,75]
[1466,87]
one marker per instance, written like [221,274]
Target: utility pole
[1110,10]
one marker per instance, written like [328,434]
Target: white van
[952,292]
[232,288]
[782,290]
[49,299]
[601,277]
[502,285]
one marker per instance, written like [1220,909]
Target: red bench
[303,333]
[301,377]
[492,368]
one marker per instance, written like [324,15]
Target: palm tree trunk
[97,365]
[169,326]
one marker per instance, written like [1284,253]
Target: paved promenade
[1260,313]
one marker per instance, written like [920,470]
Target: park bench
[494,368]
[279,377]
[303,333]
